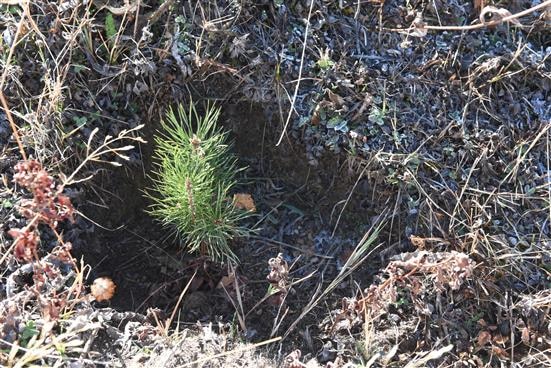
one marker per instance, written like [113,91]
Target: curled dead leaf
[244,201]
[226,281]
[417,242]
[483,338]
[315,116]
[500,339]
[103,288]
[500,352]
[335,98]
[525,336]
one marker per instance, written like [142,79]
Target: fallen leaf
[226,282]
[525,336]
[500,339]
[483,338]
[335,98]
[244,201]
[501,353]
[417,242]
[316,116]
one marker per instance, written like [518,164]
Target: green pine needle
[194,174]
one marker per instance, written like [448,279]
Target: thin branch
[12,124]
[3,81]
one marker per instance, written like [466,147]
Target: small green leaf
[337,123]
[325,63]
[110,29]
[303,121]
[377,116]
[28,332]
[80,121]
[78,68]
[272,290]
[531,191]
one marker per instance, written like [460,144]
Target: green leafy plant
[29,331]
[113,42]
[324,62]
[194,175]
[110,28]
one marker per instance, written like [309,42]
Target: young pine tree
[192,180]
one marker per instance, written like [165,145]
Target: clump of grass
[194,175]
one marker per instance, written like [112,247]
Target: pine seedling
[192,180]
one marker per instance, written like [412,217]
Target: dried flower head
[103,288]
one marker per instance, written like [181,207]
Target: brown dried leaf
[244,201]
[483,338]
[500,339]
[417,242]
[525,336]
[335,98]
[500,352]
[227,282]
[316,116]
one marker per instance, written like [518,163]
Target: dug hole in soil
[298,205]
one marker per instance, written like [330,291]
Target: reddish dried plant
[47,206]
[418,272]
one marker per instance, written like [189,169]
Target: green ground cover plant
[194,175]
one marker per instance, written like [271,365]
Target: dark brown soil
[303,201]
[150,271]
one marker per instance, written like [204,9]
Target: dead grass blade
[358,256]
[428,356]
[295,93]
[169,321]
